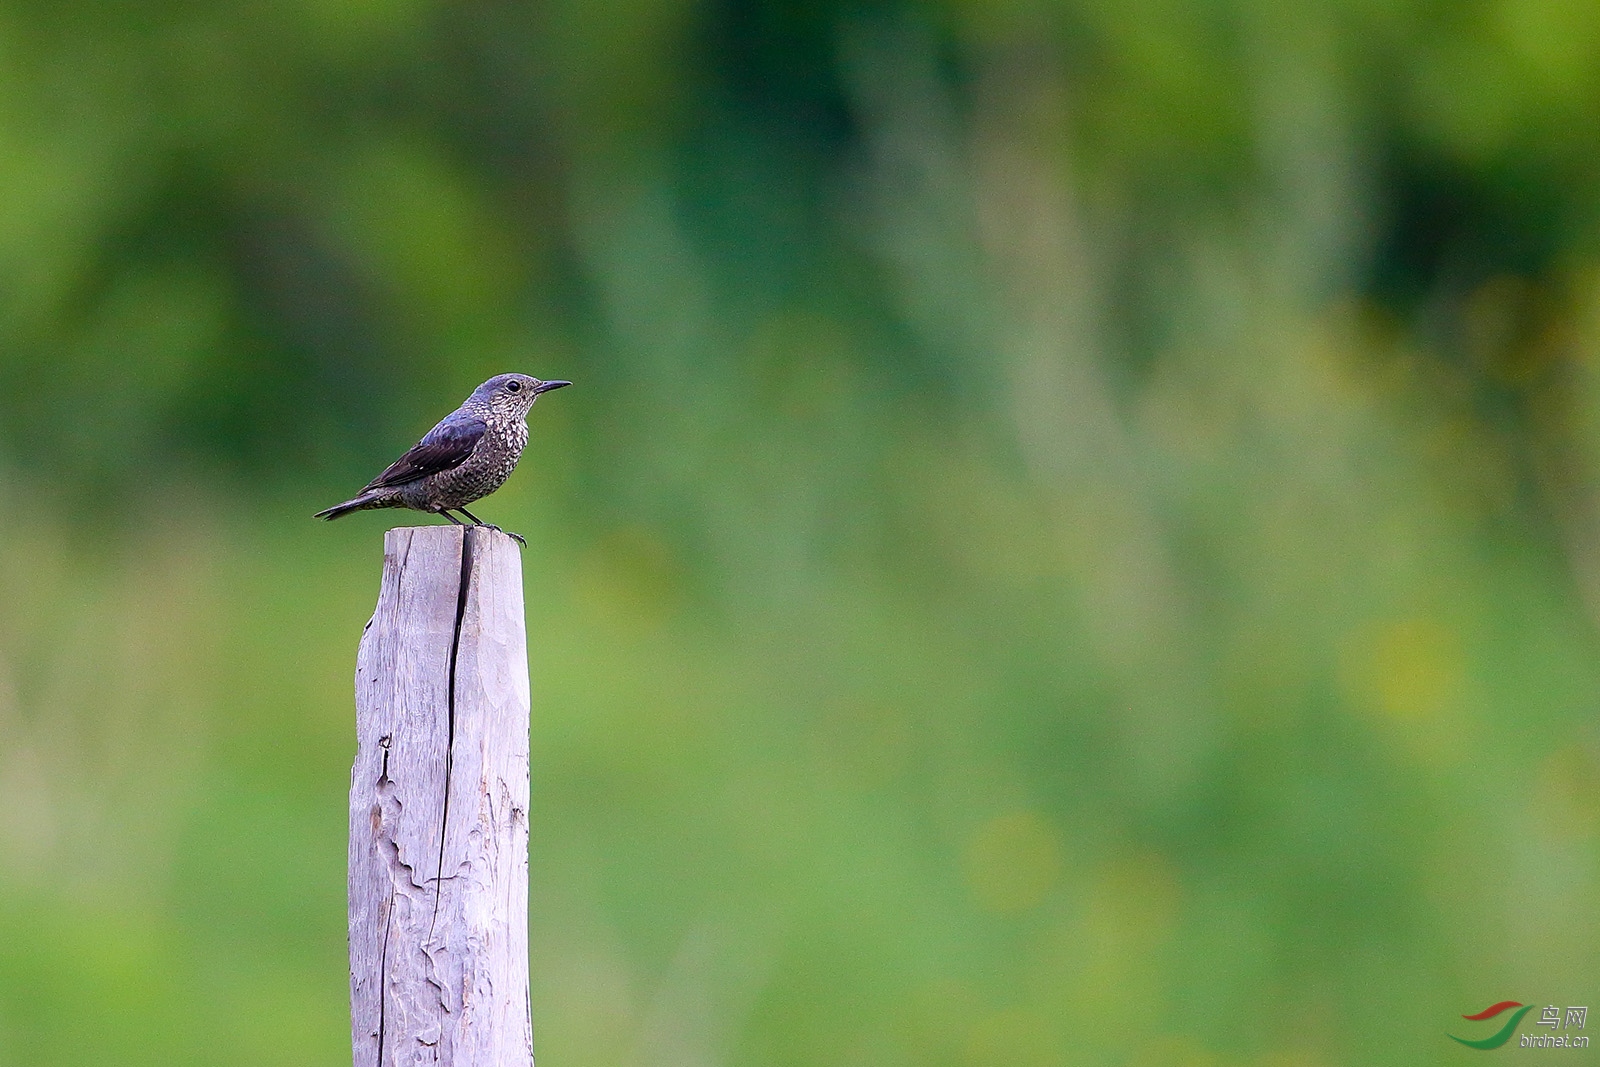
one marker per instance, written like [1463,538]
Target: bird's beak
[544,386]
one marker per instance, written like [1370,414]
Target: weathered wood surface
[439,808]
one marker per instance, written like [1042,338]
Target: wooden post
[439,808]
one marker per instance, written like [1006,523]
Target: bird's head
[512,394]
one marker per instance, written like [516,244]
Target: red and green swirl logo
[1504,1034]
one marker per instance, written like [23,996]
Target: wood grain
[439,808]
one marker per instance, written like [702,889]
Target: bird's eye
[514,386]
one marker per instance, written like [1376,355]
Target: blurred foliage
[1073,541]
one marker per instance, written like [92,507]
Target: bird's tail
[360,503]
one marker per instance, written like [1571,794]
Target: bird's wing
[442,448]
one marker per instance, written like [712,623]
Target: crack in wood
[463,588]
[383,976]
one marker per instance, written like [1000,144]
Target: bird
[467,456]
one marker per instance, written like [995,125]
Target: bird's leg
[446,513]
[491,526]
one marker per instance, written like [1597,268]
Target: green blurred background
[1075,539]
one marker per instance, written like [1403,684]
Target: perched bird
[467,456]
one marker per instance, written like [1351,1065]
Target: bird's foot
[518,538]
